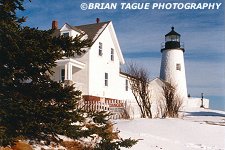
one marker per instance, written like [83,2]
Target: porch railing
[116,109]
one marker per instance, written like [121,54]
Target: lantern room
[172,41]
[172,36]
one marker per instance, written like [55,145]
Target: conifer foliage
[32,106]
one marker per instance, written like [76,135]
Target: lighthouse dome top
[172,32]
[172,36]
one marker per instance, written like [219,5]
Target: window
[178,67]
[126,85]
[100,49]
[106,79]
[62,75]
[66,34]
[112,54]
[172,38]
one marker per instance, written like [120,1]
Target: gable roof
[158,81]
[74,28]
[92,30]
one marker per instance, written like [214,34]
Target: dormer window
[100,49]
[66,34]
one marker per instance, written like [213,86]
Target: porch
[66,68]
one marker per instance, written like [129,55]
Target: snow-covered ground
[198,129]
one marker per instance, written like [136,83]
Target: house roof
[75,28]
[92,30]
[160,82]
[126,74]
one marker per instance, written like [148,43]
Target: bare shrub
[125,113]
[172,101]
[139,84]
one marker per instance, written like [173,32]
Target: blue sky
[140,33]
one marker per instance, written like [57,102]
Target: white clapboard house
[97,72]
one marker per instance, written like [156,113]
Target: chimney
[54,24]
[97,20]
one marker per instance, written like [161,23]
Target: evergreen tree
[32,106]
[109,138]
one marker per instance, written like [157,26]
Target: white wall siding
[168,70]
[99,65]
[81,76]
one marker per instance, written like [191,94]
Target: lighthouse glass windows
[100,49]
[172,38]
[178,67]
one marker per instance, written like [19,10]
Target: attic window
[112,54]
[66,34]
[178,67]
[100,49]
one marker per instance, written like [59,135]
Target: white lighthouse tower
[172,64]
